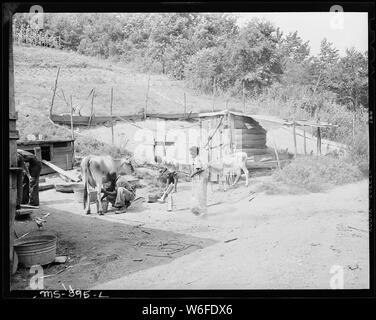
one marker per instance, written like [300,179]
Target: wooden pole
[147,98]
[214,81]
[230,126]
[243,97]
[294,134]
[185,104]
[71,116]
[54,91]
[92,107]
[304,141]
[112,122]
[318,141]
[276,155]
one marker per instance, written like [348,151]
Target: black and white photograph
[198,150]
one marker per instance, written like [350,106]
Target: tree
[352,79]
[295,60]
[254,55]
[325,67]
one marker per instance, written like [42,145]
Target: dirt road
[271,242]
[282,242]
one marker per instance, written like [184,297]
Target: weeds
[317,173]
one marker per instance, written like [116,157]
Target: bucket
[79,194]
[36,250]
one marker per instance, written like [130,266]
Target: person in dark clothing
[118,192]
[30,185]
[20,175]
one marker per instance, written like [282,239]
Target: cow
[229,165]
[96,170]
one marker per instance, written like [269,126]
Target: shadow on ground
[100,250]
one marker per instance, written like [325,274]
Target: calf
[231,164]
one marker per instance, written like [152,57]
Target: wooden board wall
[61,156]
[248,135]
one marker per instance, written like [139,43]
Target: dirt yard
[270,242]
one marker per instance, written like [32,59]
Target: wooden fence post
[243,97]
[294,134]
[318,141]
[185,105]
[304,141]
[112,122]
[214,84]
[147,98]
[92,107]
[276,155]
[54,91]
[71,116]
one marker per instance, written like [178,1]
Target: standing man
[199,183]
[119,192]
[30,185]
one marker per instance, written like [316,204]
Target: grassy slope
[35,72]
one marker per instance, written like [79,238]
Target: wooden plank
[45,186]
[69,175]
[254,151]
[27,206]
[250,136]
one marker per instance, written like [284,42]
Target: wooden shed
[232,131]
[58,152]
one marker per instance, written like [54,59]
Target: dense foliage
[207,49]
[274,71]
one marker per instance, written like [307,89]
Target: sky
[344,30]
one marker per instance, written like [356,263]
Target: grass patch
[317,173]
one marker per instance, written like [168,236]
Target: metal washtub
[36,250]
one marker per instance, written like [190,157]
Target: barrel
[36,250]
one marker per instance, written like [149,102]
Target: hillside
[35,72]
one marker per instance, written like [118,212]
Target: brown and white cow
[96,170]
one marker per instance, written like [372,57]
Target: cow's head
[126,166]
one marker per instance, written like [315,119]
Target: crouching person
[119,193]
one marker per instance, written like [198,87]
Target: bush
[317,173]
[85,145]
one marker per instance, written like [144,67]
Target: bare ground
[270,242]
